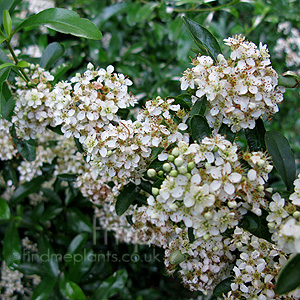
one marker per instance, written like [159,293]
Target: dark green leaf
[51,195]
[199,128]
[7,24]
[56,129]
[77,221]
[7,5]
[51,212]
[226,131]
[256,225]
[155,152]
[79,264]
[44,289]
[256,136]
[283,157]
[199,107]
[9,173]
[289,276]
[79,145]
[146,186]
[111,286]
[51,55]
[67,177]
[77,243]
[123,113]
[74,292]
[12,246]
[63,20]
[203,38]
[59,71]
[4,210]
[127,195]
[31,268]
[191,234]
[7,99]
[27,149]
[26,189]
[223,287]
[184,101]
[48,257]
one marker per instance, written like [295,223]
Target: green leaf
[283,157]
[127,195]
[199,107]
[289,80]
[2,39]
[156,151]
[226,131]
[51,212]
[23,64]
[7,24]
[48,257]
[203,38]
[111,286]
[4,210]
[184,101]
[77,243]
[77,221]
[79,264]
[61,70]
[7,5]
[26,189]
[74,292]
[199,128]
[26,148]
[256,225]
[256,136]
[5,65]
[7,99]
[51,55]
[289,276]
[12,246]
[223,287]
[44,289]
[64,21]
[67,177]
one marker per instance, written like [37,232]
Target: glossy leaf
[67,177]
[226,131]
[4,210]
[184,101]
[26,189]
[7,24]
[256,225]
[77,221]
[7,5]
[223,287]
[203,38]
[283,157]
[199,107]
[74,292]
[127,195]
[111,286]
[77,243]
[51,55]
[64,21]
[59,71]
[48,257]
[256,136]
[44,289]
[12,246]
[27,149]
[199,128]
[7,99]
[289,276]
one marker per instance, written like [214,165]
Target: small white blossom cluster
[256,268]
[7,148]
[30,113]
[204,262]
[207,187]
[284,220]
[15,285]
[288,47]
[240,89]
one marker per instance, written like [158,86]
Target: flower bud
[173,206]
[188,176]
[182,170]
[160,173]
[232,204]
[208,215]
[178,162]
[151,173]
[296,214]
[190,166]
[155,191]
[206,236]
[174,173]
[176,257]
[167,167]
[171,158]
[271,225]
[175,152]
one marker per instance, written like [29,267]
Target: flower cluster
[240,89]
[7,148]
[30,113]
